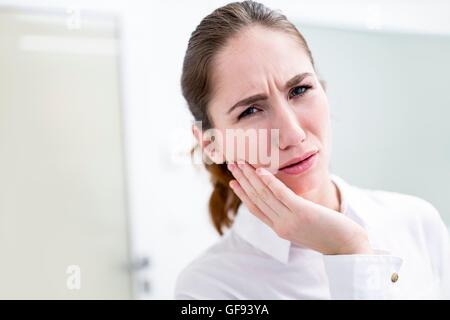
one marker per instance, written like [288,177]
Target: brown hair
[205,42]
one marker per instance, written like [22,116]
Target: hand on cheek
[294,218]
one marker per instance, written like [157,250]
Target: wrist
[360,245]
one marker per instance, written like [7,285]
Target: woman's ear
[208,143]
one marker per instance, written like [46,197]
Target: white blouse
[250,261]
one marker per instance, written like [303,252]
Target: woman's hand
[294,218]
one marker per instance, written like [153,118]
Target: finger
[279,189]
[262,190]
[250,191]
[249,203]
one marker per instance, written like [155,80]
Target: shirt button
[394,277]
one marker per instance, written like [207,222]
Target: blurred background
[98,198]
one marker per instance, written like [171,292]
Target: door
[63,209]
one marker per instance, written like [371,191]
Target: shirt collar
[262,237]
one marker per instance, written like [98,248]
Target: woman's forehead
[258,56]
[243,72]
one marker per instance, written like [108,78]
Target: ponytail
[223,202]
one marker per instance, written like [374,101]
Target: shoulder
[211,274]
[424,220]
[384,204]
[411,211]
[412,206]
[410,216]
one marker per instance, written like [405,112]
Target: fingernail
[231,166]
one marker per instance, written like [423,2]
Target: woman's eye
[249,111]
[296,91]
[300,90]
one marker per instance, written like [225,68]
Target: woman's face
[261,61]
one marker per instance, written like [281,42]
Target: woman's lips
[301,166]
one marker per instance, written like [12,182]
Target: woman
[293,229]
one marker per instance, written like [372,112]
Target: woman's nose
[290,130]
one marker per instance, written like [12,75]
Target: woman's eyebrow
[259,97]
[297,79]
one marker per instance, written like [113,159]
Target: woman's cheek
[235,145]
[253,145]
